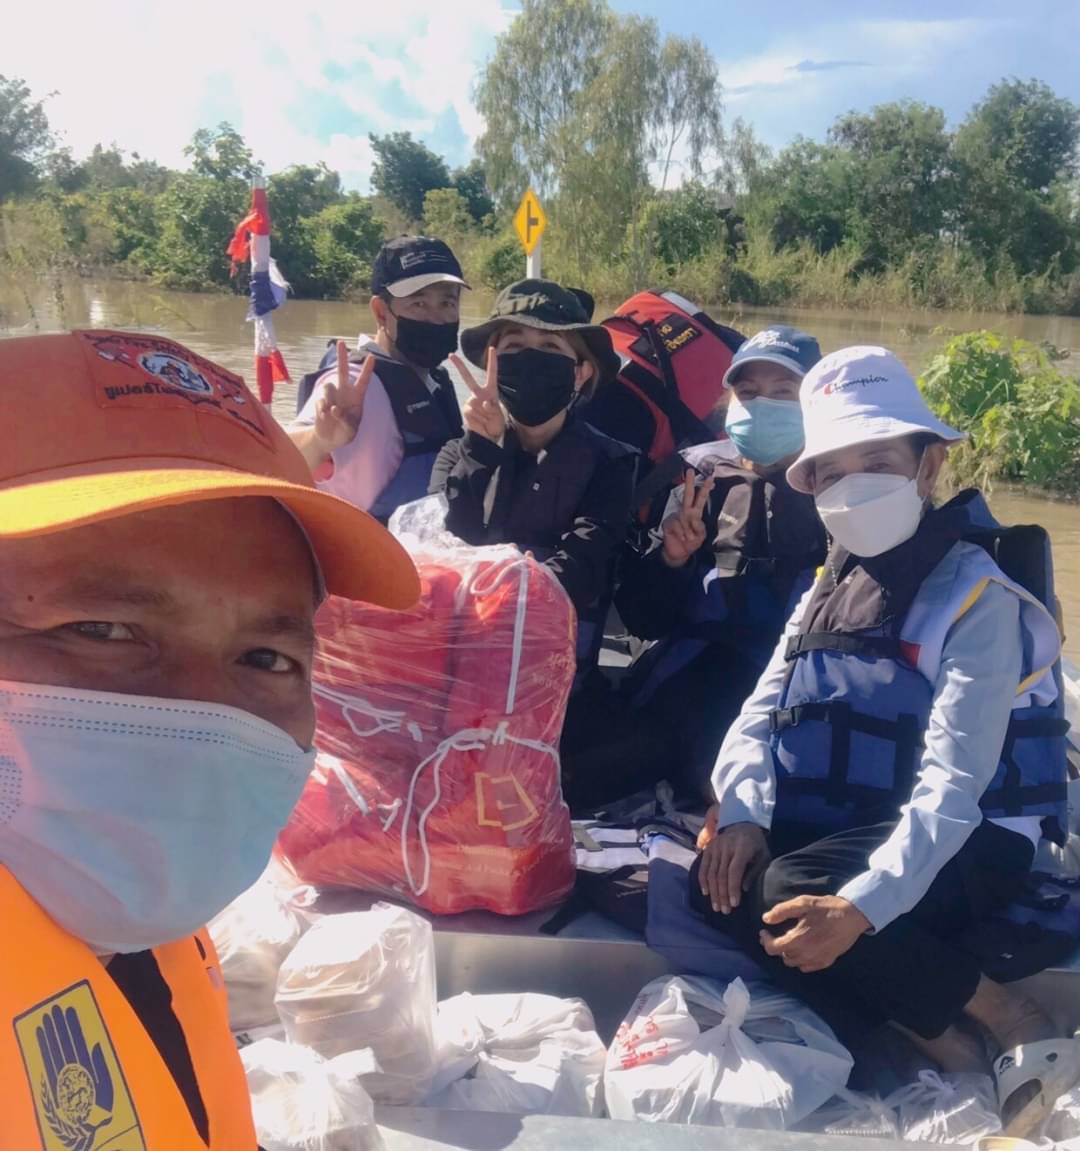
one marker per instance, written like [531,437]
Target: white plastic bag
[1063,1123]
[854,1113]
[252,936]
[691,1051]
[521,1054]
[956,1108]
[366,979]
[302,1102]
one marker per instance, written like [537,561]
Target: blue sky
[309,82]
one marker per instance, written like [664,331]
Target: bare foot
[954,1050]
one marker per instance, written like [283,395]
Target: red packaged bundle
[437,778]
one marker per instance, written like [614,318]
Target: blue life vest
[848,732]
[426,420]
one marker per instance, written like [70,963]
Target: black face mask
[535,385]
[423,343]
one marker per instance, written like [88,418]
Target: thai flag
[268,290]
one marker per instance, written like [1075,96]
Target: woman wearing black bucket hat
[529,469]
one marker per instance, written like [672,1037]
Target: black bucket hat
[545,305]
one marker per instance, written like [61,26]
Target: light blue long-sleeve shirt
[973,695]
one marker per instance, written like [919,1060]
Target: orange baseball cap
[101,424]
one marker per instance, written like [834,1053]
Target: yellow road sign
[530,221]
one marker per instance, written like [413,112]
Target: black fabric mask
[424,343]
[535,385]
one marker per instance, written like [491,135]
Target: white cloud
[895,58]
[147,74]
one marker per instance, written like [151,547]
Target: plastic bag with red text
[437,778]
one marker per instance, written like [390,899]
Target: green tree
[197,215]
[344,239]
[295,195]
[62,171]
[471,183]
[809,196]
[1017,157]
[129,217]
[687,106]
[405,170]
[744,161]
[148,176]
[570,97]
[447,215]
[25,137]
[686,224]
[533,93]
[221,154]
[106,168]
[902,182]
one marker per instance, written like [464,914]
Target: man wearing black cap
[374,420]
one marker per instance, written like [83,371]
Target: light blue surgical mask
[133,821]
[765,430]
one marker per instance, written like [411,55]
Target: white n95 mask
[133,821]
[869,513]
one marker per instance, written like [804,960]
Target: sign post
[529,223]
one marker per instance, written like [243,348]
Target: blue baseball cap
[781,345]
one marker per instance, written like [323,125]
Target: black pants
[607,750]
[694,709]
[922,968]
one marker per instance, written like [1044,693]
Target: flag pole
[268,289]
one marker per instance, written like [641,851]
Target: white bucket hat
[855,396]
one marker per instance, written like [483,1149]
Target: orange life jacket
[79,1072]
[674,359]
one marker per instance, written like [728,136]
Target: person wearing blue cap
[881,796]
[735,549]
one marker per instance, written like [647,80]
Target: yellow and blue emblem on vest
[81,1096]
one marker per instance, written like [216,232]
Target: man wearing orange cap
[162,553]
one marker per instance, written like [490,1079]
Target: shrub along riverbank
[1020,410]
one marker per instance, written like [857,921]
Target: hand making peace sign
[684,532]
[341,406]
[483,413]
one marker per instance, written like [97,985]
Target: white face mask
[869,513]
[133,821]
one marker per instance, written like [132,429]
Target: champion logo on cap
[858,382]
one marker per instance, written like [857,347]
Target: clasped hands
[822,927]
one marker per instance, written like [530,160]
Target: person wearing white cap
[882,792]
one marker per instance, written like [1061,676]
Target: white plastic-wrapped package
[252,936]
[521,1054]
[366,979]
[692,1051]
[954,1108]
[302,1102]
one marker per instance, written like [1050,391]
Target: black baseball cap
[408,264]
